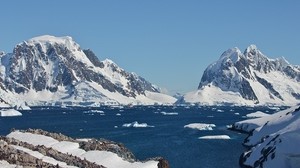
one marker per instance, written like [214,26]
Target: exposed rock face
[163,163]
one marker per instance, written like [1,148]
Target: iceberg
[215,137]
[200,126]
[168,113]
[257,114]
[9,113]
[135,124]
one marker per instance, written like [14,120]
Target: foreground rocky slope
[273,140]
[49,70]
[248,78]
[38,148]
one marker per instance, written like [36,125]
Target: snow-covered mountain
[55,70]
[273,139]
[248,78]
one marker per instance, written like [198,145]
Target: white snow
[212,95]
[5,164]
[105,158]
[160,98]
[278,132]
[9,113]
[46,159]
[135,124]
[215,137]
[200,126]
[257,114]
[112,160]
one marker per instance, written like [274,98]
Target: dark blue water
[168,138]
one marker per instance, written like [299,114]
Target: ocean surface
[160,131]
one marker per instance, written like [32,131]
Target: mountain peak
[50,39]
[47,40]
[233,54]
[252,47]
[249,78]
[253,53]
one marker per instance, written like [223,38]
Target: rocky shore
[15,151]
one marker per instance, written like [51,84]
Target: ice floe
[168,113]
[200,126]
[92,112]
[215,137]
[257,114]
[9,113]
[135,124]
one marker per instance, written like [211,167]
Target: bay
[165,135]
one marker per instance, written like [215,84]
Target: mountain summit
[248,78]
[48,69]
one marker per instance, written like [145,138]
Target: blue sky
[168,42]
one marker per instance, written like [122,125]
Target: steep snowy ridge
[51,70]
[248,78]
[273,140]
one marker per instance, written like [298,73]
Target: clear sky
[168,42]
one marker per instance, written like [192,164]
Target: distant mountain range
[50,70]
[248,78]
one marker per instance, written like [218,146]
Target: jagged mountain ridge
[59,67]
[248,78]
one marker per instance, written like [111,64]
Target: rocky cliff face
[58,64]
[250,74]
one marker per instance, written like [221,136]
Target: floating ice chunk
[118,114]
[168,113]
[215,137]
[200,126]
[237,113]
[135,124]
[257,114]
[92,112]
[9,113]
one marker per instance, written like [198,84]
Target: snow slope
[274,140]
[105,158]
[248,78]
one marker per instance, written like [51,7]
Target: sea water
[148,131]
